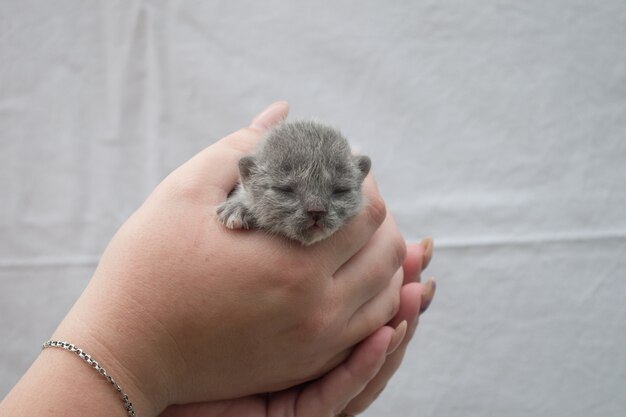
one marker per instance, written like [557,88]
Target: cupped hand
[415,298]
[183,310]
[325,397]
[355,384]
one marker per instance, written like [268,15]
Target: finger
[413,262]
[271,116]
[376,312]
[349,239]
[199,172]
[369,271]
[429,293]
[409,309]
[417,258]
[328,396]
[428,251]
[411,296]
[397,338]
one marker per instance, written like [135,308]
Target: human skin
[415,299]
[356,383]
[181,310]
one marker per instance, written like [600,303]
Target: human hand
[415,298]
[355,384]
[184,310]
[325,397]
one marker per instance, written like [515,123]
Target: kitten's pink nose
[316,215]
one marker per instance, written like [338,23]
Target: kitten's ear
[364,163]
[247,165]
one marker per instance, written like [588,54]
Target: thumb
[271,116]
[213,171]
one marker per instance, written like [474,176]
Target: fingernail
[398,336]
[427,296]
[428,251]
[272,115]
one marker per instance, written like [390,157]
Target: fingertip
[428,245]
[413,262]
[271,116]
[413,293]
[428,294]
[397,337]
[376,345]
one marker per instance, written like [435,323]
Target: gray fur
[303,174]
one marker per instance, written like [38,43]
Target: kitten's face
[308,198]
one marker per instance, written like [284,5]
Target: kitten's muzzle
[316,215]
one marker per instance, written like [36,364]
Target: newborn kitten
[303,183]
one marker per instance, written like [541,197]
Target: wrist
[59,384]
[92,363]
[121,347]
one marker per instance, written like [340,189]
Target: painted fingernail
[428,251]
[427,296]
[273,114]
[398,336]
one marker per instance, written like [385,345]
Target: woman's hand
[183,310]
[325,397]
[415,299]
[355,384]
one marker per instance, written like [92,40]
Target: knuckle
[295,279]
[379,276]
[286,279]
[399,251]
[395,304]
[297,272]
[376,209]
[387,270]
[313,325]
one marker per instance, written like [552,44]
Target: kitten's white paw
[232,216]
[236,221]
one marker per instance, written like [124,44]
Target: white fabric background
[498,127]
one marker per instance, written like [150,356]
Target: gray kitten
[303,183]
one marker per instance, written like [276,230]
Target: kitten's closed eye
[285,189]
[340,191]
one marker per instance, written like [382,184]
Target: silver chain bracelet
[95,365]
